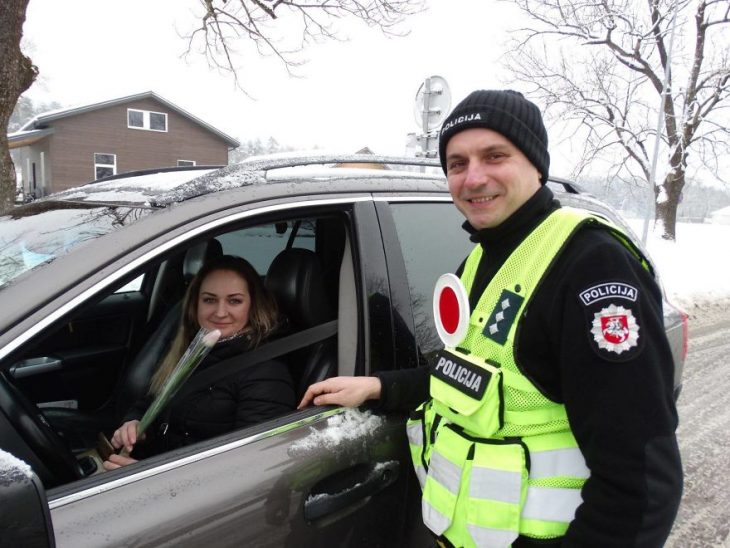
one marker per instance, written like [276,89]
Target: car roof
[164,186]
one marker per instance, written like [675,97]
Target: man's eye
[455,164]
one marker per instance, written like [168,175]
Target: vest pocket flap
[497,487]
[465,384]
[443,483]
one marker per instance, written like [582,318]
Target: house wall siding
[77,138]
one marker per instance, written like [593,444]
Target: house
[69,147]
[364,150]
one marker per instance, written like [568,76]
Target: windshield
[40,232]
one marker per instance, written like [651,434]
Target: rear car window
[261,244]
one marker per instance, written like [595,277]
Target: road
[704,432]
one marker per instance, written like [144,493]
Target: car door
[318,477]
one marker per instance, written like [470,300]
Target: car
[91,280]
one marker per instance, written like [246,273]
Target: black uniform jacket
[620,404]
[255,394]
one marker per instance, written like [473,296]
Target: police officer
[553,422]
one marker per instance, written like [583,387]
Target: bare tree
[225,26]
[17,73]
[603,65]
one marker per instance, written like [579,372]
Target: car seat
[296,281]
[81,428]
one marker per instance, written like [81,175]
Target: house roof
[28,137]
[41,121]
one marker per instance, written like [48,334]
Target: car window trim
[87,492]
[386,198]
[102,284]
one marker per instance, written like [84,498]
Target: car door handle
[348,487]
[34,366]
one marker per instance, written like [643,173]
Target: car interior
[85,374]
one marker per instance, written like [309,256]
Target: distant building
[364,150]
[69,147]
[720,216]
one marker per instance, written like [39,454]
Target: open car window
[85,372]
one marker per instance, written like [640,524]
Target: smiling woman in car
[228,295]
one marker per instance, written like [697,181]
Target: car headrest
[199,254]
[295,280]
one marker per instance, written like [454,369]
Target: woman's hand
[126,436]
[345,391]
[117,461]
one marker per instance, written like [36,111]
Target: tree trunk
[666,210]
[17,73]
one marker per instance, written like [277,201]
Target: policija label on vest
[461,374]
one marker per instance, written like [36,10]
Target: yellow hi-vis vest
[496,458]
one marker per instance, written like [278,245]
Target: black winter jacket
[620,405]
[255,394]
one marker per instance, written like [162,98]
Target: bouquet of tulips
[200,346]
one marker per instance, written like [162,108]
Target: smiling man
[570,439]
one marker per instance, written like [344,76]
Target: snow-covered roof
[28,137]
[41,120]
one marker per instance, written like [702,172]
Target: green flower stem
[198,349]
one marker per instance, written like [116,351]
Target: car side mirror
[25,519]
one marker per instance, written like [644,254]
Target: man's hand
[345,391]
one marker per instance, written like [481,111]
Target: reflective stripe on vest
[414,429]
[445,472]
[484,536]
[558,462]
[499,485]
[433,519]
[551,504]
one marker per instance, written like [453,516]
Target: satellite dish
[451,310]
[433,101]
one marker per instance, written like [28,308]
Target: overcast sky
[351,94]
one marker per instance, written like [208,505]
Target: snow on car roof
[140,189]
[162,187]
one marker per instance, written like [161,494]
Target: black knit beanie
[506,112]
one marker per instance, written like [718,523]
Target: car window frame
[261,212]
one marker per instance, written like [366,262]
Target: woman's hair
[262,314]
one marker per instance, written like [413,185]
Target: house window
[105,165]
[145,119]
[185,163]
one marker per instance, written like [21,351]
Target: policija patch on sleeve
[613,322]
[615,329]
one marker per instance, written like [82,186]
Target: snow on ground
[695,269]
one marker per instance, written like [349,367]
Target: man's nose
[476,174]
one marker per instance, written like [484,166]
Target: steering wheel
[33,427]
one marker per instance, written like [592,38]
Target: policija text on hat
[552,423]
